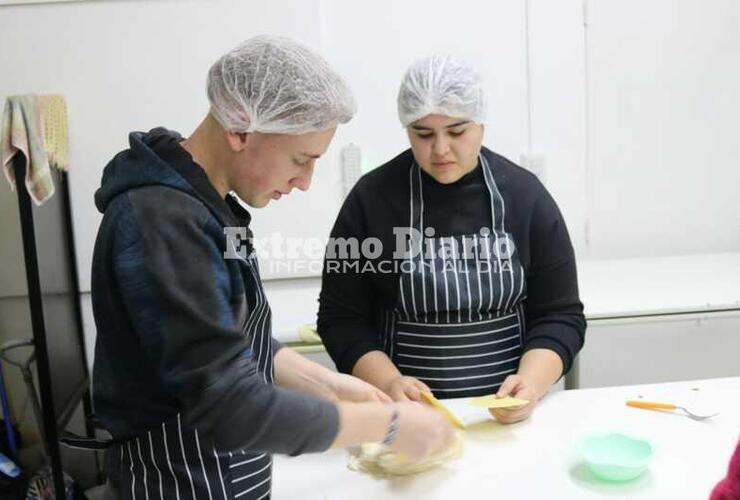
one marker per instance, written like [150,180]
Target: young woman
[469,287]
[187,378]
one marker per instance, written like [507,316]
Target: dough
[380,460]
[494,402]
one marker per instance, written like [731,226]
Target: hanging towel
[36,127]
[53,111]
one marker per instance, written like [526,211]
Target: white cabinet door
[660,349]
[662,127]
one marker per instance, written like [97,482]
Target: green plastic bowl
[616,456]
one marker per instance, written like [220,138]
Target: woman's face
[445,147]
[269,166]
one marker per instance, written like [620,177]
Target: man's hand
[348,388]
[298,373]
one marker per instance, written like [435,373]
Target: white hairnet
[441,85]
[272,84]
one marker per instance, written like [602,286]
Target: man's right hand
[422,431]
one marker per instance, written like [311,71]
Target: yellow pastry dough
[493,402]
[429,398]
[380,460]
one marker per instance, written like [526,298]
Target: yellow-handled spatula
[652,405]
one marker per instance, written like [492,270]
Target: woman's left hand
[519,387]
[349,388]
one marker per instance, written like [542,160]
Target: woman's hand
[538,370]
[406,389]
[517,386]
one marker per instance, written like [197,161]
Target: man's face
[445,147]
[271,165]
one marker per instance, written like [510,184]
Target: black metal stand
[53,420]
[25,367]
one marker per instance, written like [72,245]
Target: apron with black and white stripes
[173,461]
[458,324]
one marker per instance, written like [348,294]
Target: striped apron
[173,461]
[458,323]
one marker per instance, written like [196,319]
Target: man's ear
[237,140]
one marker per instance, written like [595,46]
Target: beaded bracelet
[390,434]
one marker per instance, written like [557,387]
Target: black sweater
[352,301]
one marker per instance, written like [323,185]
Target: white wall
[372,44]
[130,65]
[635,115]
[558,111]
[663,108]
[122,66]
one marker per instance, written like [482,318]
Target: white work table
[539,458]
[660,285]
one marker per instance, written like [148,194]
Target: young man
[187,377]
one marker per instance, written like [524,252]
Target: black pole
[74,278]
[37,323]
